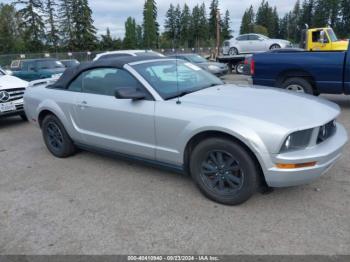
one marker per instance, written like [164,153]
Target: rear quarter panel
[325,68]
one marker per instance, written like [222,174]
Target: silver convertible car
[171,113]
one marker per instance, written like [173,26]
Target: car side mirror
[129,93]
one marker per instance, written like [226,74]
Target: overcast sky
[113,13]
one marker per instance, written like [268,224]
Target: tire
[240,69]
[56,137]
[298,84]
[275,46]
[24,117]
[233,51]
[210,180]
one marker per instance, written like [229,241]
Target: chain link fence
[6,59]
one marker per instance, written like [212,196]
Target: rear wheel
[298,84]
[233,51]
[56,137]
[224,171]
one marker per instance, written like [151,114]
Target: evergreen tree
[185,26]
[307,13]
[274,32]
[344,28]
[139,36]
[150,25]
[327,13]
[247,21]
[130,34]
[65,23]
[10,35]
[265,17]
[226,32]
[106,42]
[52,36]
[83,30]
[170,25]
[33,24]
[203,25]
[177,14]
[214,8]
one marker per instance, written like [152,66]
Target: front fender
[236,129]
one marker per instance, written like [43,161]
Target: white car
[11,95]
[252,43]
[124,53]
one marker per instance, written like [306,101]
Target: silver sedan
[173,114]
[253,43]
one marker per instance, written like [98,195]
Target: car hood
[293,111]
[8,82]
[206,64]
[340,45]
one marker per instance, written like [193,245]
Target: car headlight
[213,68]
[297,140]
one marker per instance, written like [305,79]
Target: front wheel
[224,171]
[56,137]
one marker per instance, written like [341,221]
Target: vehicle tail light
[252,67]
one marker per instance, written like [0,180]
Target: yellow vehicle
[323,39]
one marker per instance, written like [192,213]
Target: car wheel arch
[50,107]
[282,77]
[201,136]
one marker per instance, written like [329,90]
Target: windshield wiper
[181,94]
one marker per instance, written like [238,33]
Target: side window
[105,81]
[242,38]
[253,37]
[76,84]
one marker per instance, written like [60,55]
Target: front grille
[326,131]
[15,94]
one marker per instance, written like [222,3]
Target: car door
[243,43]
[120,125]
[256,44]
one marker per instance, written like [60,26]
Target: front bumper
[325,154]
[19,110]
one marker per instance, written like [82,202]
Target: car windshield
[173,78]
[332,35]
[2,73]
[50,64]
[196,59]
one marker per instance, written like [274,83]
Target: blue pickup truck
[324,72]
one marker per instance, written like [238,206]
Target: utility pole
[218,33]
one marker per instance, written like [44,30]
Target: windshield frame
[132,67]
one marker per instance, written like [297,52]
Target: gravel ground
[92,204]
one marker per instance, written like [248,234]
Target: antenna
[177,81]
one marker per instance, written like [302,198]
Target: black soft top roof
[71,73]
